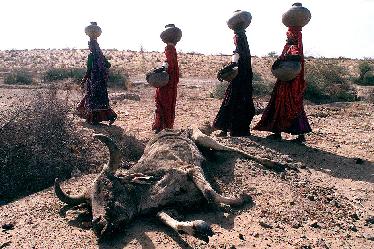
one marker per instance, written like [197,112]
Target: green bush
[19,77]
[219,90]
[326,82]
[368,79]
[261,88]
[256,76]
[55,74]
[366,76]
[364,67]
[117,79]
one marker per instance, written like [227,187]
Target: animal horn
[70,200]
[114,153]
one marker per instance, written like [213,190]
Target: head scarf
[295,34]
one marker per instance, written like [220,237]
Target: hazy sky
[337,28]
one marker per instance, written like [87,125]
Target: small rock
[368,236]
[305,247]
[241,236]
[353,227]
[265,224]
[369,220]
[255,234]
[311,197]
[359,161]
[296,224]
[8,226]
[335,203]
[355,216]
[283,176]
[322,244]
[314,224]
[329,198]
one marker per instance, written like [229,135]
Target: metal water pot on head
[296,16]
[93,30]
[171,34]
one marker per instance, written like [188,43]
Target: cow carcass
[168,175]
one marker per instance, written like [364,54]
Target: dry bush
[37,145]
[327,82]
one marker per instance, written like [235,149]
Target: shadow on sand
[313,158]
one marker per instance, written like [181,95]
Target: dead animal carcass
[169,174]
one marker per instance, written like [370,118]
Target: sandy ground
[326,203]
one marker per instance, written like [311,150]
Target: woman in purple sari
[94,107]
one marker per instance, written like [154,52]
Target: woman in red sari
[166,96]
[285,110]
[94,107]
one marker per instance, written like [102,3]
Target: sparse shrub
[366,76]
[219,90]
[326,82]
[55,74]
[118,79]
[371,96]
[19,77]
[272,54]
[260,88]
[364,67]
[256,76]
[368,79]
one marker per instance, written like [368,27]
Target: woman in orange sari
[285,110]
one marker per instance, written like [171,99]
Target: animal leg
[208,142]
[211,195]
[197,228]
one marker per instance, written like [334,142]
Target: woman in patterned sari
[94,107]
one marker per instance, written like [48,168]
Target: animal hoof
[202,230]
